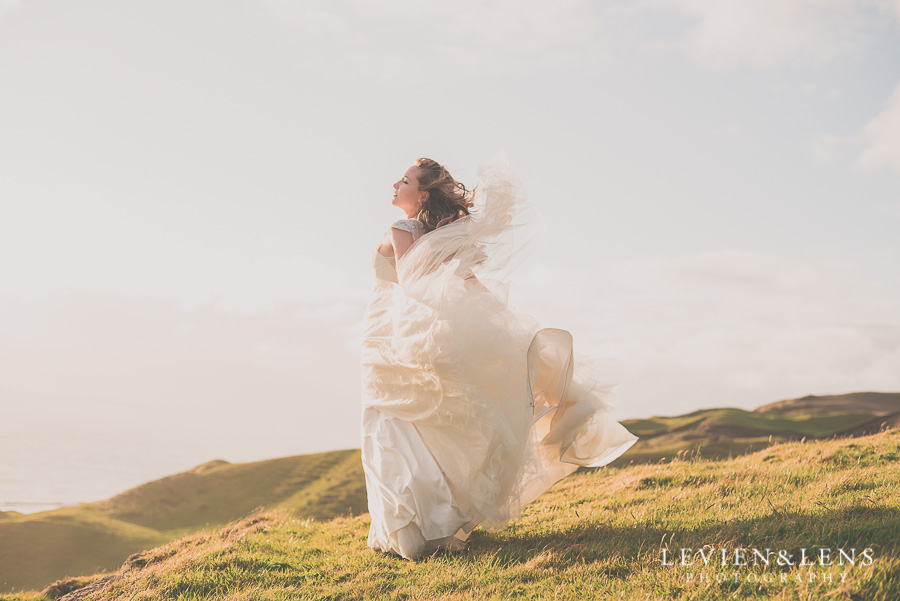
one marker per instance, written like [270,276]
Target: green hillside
[38,548]
[218,491]
[595,535]
[720,433]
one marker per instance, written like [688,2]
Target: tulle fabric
[470,410]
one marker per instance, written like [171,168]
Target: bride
[470,410]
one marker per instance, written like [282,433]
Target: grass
[596,534]
[220,492]
[734,420]
[725,432]
[36,549]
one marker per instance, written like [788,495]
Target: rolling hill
[724,432]
[39,548]
[595,535]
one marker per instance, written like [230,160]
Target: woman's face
[407,195]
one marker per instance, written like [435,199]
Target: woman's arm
[401,241]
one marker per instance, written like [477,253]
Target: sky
[191,192]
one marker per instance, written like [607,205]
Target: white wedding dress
[470,410]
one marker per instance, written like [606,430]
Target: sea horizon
[42,471]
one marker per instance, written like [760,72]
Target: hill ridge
[727,431]
[593,535]
[39,548]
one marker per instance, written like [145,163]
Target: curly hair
[448,200]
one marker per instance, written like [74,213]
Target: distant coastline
[29,507]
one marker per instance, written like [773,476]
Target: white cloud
[765,33]
[882,135]
[490,35]
[726,328]
[718,328]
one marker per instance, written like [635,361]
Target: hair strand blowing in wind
[448,199]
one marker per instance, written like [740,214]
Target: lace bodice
[413,226]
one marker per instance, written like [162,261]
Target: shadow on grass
[849,527]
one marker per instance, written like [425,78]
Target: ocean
[48,462]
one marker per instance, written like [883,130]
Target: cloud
[882,135]
[709,329]
[766,33]
[493,35]
[726,328]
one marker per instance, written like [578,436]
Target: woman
[470,410]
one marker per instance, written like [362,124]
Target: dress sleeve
[413,226]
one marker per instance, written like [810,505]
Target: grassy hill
[594,535]
[719,433]
[38,548]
